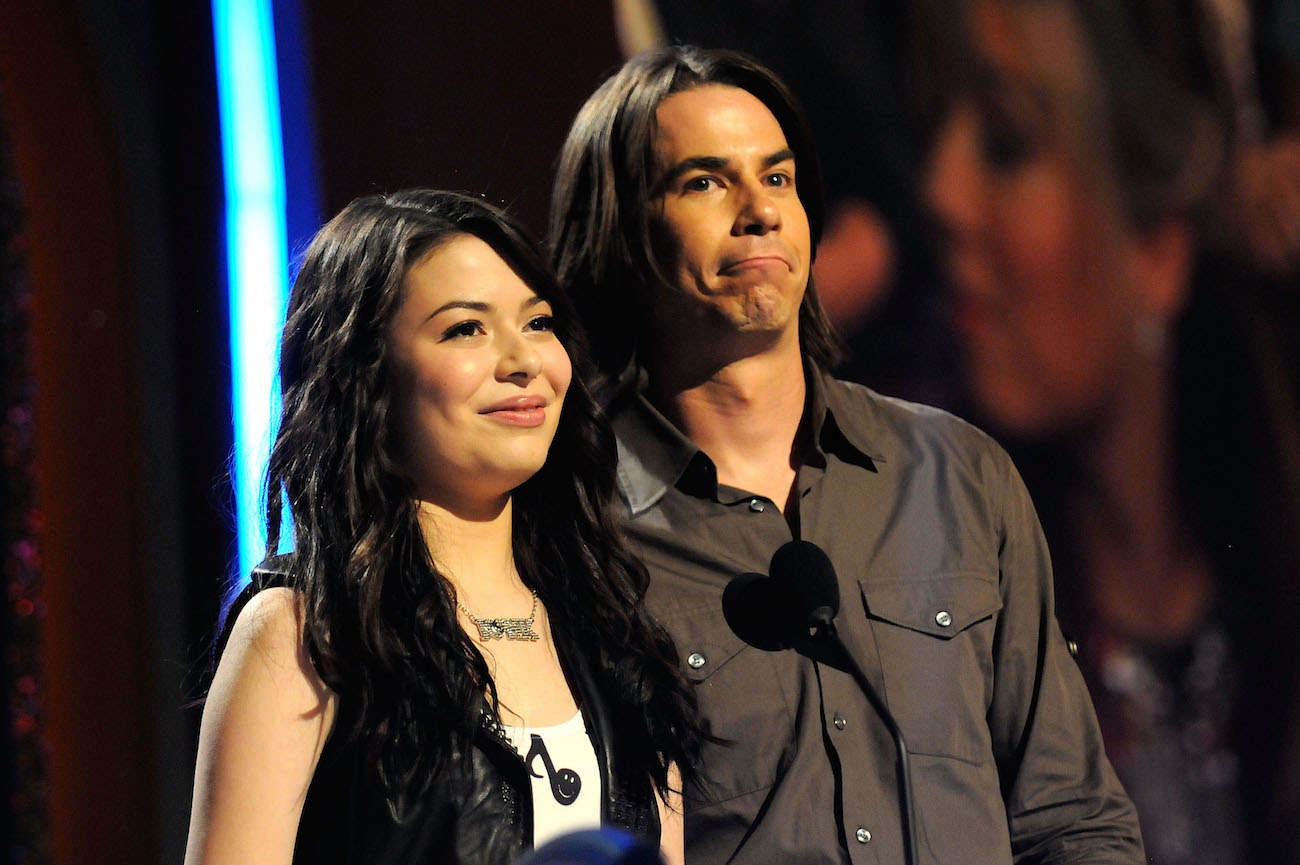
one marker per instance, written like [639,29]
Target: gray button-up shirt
[946,603]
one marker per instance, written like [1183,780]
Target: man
[685,217]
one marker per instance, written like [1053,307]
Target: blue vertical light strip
[256,245]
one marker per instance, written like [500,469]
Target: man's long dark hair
[600,229]
[379,619]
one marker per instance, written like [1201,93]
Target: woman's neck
[1144,573]
[474,548]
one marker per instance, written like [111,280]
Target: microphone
[758,611]
[605,846]
[803,575]
[807,576]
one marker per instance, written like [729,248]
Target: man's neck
[745,414]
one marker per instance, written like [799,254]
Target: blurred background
[1076,222]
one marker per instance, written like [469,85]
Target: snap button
[757,505]
[696,660]
[839,721]
[943,618]
[863,835]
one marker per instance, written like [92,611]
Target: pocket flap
[705,642]
[743,699]
[941,605]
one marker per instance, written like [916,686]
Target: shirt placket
[861,746]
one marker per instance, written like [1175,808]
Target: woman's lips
[973,296]
[520,411]
[969,315]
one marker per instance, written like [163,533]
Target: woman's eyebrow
[482,306]
[475,305]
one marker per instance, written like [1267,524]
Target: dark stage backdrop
[468,96]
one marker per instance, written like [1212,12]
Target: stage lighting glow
[256,245]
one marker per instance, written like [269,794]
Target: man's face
[730,232]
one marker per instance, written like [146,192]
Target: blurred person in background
[1081,155]
[1254,50]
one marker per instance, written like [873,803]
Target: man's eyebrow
[691,163]
[714,163]
[778,157]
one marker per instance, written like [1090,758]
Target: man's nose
[758,212]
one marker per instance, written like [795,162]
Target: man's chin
[759,308]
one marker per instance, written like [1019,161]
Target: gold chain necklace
[504,629]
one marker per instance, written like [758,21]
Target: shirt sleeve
[1064,802]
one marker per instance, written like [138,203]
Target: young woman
[1075,173]
[454,663]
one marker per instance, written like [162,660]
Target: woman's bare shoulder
[266,643]
[265,723]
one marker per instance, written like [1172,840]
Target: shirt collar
[844,424]
[654,455]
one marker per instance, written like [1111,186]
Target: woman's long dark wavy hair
[379,618]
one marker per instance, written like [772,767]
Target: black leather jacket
[478,811]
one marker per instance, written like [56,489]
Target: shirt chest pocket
[743,700]
[935,635]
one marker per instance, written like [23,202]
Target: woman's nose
[952,176]
[519,359]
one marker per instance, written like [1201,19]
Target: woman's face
[1040,258]
[479,375]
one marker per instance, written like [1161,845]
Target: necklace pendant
[507,629]
[519,629]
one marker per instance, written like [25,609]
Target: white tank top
[565,777]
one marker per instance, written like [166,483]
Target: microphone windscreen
[758,612]
[806,574]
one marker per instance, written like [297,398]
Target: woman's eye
[463,329]
[1003,146]
[1010,129]
[542,323]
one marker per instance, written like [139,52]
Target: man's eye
[780,179]
[463,329]
[700,184]
[542,323]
